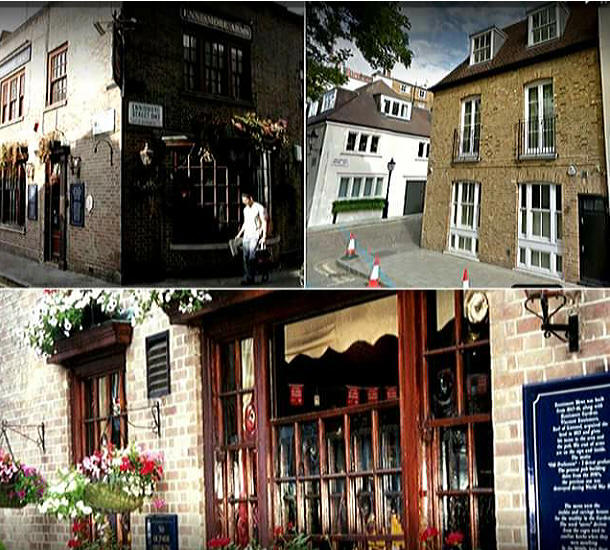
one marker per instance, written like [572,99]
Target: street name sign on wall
[145,114]
[236,28]
[567,461]
[16,59]
[162,532]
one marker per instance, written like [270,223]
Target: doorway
[594,233]
[414,197]
[55,208]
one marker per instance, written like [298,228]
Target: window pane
[442,385]
[356,187]
[392,502]
[285,451]
[351,141]
[364,490]
[310,457]
[522,256]
[374,144]
[389,441]
[338,506]
[364,139]
[227,368]
[546,196]
[441,324]
[456,517]
[362,443]
[545,260]
[229,415]
[483,455]
[487,521]
[335,445]
[248,416]
[343,185]
[288,505]
[313,522]
[546,225]
[477,384]
[453,460]
[368,187]
[379,187]
[395,107]
[247,364]
[537,223]
[559,263]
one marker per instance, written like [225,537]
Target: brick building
[255,437]
[517,170]
[144,166]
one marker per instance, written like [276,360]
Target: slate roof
[358,107]
[580,32]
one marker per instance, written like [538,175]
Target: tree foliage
[377,29]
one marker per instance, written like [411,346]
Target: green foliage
[2,547]
[377,29]
[356,205]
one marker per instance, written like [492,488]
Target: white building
[352,137]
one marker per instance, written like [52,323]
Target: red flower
[219,542]
[454,539]
[428,534]
[126,464]
[290,527]
[148,467]
[278,531]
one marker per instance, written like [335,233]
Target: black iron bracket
[155,413]
[38,440]
[566,332]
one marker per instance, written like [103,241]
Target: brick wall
[26,377]
[95,248]
[521,355]
[579,141]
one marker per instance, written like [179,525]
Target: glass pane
[247,364]
[343,187]
[285,451]
[536,192]
[440,319]
[310,457]
[368,187]
[115,436]
[442,385]
[364,490]
[362,443]
[389,441]
[546,196]
[545,260]
[392,503]
[229,415]
[337,506]
[559,264]
[227,368]
[313,521]
[335,445]
[248,415]
[456,518]
[483,455]
[537,223]
[356,187]
[477,383]
[487,521]
[454,459]
[288,505]
[252,462]
[102,395]
[378,187]
[236,477]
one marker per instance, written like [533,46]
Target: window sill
[466,159]
[12,122]
[538,156]
[12,229]
[360,154]
[419,159]
[219,99]
[462,254]
[539,273]
[55,106]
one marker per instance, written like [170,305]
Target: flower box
[111,498]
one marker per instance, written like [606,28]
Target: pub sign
[162,532]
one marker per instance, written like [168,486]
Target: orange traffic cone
[465,281]
[374,281]
[350,251]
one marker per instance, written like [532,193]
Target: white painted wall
[334,162]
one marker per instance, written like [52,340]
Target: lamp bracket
[566,332]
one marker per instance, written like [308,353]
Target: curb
[11,282]
[350,268]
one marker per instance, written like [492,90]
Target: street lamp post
[391,166]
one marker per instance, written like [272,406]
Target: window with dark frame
[158,365]
[216,65]
[457,406]
[13,194]
[12,92]
[58,75]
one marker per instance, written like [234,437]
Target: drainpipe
[604,62]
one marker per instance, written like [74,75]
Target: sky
[439,35]
[12,14]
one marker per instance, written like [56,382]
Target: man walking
[254,231]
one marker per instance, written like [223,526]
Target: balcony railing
[466,143]
[536,138]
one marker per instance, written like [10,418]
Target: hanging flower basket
[8,497]
[264,133]
[111,499]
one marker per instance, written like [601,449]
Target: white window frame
[467,146]
[529,244]
[544,127]
[550,9]
[460,230]
[377,189]
[356,150]
[422,93]
[328,100]
[313,109]
[403,108]
[424,147]
[404,88]
[476,50]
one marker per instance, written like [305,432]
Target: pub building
[120,153]
[363,419]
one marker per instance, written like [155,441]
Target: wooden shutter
[157,365]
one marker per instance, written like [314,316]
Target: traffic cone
[350,251]
[374,281]
[465,281]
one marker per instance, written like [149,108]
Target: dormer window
[396,108]
[481,48]
[546,23]
[313,109]
[328,100]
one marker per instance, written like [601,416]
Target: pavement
[403,264]
[17,271]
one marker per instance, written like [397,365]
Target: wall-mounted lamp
[107,142]
[146,155]
[75,163]
[570,330]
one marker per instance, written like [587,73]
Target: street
[403,263]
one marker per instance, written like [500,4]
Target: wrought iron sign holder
[155,412]
[569,330]
[39,440]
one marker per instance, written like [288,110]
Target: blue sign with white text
[567,459]
[162,532]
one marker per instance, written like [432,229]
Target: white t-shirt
[254,218]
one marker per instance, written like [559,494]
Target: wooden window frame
[51,80]
[12,108]
[432,426]
[13,182]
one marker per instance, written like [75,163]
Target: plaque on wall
[33,201]
[162,532]
[77,204]
[567,462]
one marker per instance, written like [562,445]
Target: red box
[353,395]
[391,392]
[296,395]
[372,395]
